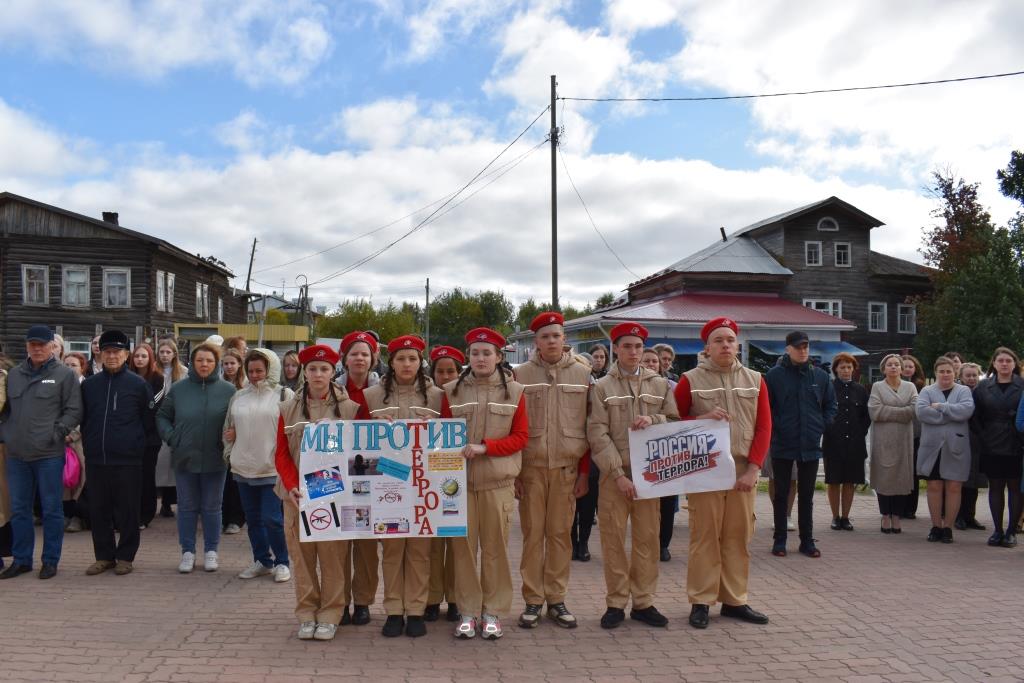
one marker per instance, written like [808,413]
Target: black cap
[796,338]
[39,333]
[114,338]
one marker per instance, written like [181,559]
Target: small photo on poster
[363,466]
[324,482]
[391,525]
[355,518]
[361,487]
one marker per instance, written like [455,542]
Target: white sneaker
[282,573]
[325,631]
[211,564]
[232,529]
[188,563]
[789,524]
[74,525]
[466,628]
[491,629]
[255,569]
[306,630]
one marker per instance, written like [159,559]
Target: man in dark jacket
[117,417]
[43,406]
[803,404]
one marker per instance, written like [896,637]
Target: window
[75,286]
[875,374]
[170,292]
[202,301]
[907,316]
[812,253]
[878,316]
[833,307]
[161,290]
[78,346]
[35,285]
[199,300]
[828,224]
[843,256]
[117,286]
[220,309]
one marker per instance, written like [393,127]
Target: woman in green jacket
[191,421]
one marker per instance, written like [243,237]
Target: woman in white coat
[944,457]
[891,407]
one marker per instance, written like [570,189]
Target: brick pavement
[873,608]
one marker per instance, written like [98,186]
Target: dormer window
[828,224]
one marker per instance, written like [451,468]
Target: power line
[794,92]
[569,176]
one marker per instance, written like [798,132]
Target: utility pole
[554,200]
[426,316]
[248,277]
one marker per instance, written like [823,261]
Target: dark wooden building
[81,275]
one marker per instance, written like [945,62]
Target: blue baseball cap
[39,333]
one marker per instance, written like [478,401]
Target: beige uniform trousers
[635,576]
[317,598]
[406,575]
[545,512]
[361,573]
[442,572]
[721,527]
[489,522]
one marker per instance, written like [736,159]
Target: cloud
[438,21]
[391,123]
[262,41]
[31,149]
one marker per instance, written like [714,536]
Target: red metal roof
[766,309]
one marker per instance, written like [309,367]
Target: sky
[328,131]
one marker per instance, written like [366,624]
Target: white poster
[689,456]
[381,479]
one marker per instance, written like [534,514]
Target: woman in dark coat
[970,375]
[996,401]
[144,363]
[844,446]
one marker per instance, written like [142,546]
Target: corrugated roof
[793,213]
[734,255]
[701,307]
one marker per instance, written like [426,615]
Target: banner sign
[689,456]
[381,479]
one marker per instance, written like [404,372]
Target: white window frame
[128,287]
[220,309]
[64,285]
[901,310]
[161,290]
[170,292]
[825,220]
[25,268]
[807,260]
[885,317]
[199,300]
[849,254]
[835,306]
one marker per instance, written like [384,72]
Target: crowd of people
[109,442]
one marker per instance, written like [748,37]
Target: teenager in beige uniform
[319,598]
[405,393]
[445,365]
[554,468]
[495,413]
[629,397]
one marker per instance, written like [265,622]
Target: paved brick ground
[873,608]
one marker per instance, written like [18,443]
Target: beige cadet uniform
[406,568]
[616,400]
[491,497]
[722,522]
[318,598]
[442,572]
[556,404]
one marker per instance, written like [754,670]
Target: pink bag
[72,468]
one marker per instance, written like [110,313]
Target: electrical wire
[794,92]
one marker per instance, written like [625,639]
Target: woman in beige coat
[891,406]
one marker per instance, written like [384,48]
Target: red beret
[713,325]
[447,352]
[628,330]
[545,319]
[408,341]
[320,352]
[358,336]
[485,334]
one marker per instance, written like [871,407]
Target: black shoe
[779,547]
[809,549]
[836,525]
[996,539]
[947,535]
[15,570]
[974,524]
[166,511]
[584,553]
[415,627]
[665,555]
[432,613]
[346,618]
[360,615]
[960,524]
[453,612]
[897,530]
[612,617]
[1009,540]
[935,535]
[909,515]
[650,616]
[744,613]
[699,616]
[885,530]
[393,626]
[47,571]
[530,618]
[844,524]
[575,552]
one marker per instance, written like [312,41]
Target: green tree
[388,320]
[605,299]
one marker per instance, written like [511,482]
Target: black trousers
[586,510]
[5,540]
[911,500]
[968,504]
[668,518]
[147,500]
[891,505]
[806,475]
[114,502]
[231,508]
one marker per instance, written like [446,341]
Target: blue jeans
[199,494]
[265,521]
[24,478]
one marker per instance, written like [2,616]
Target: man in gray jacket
[44,404]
